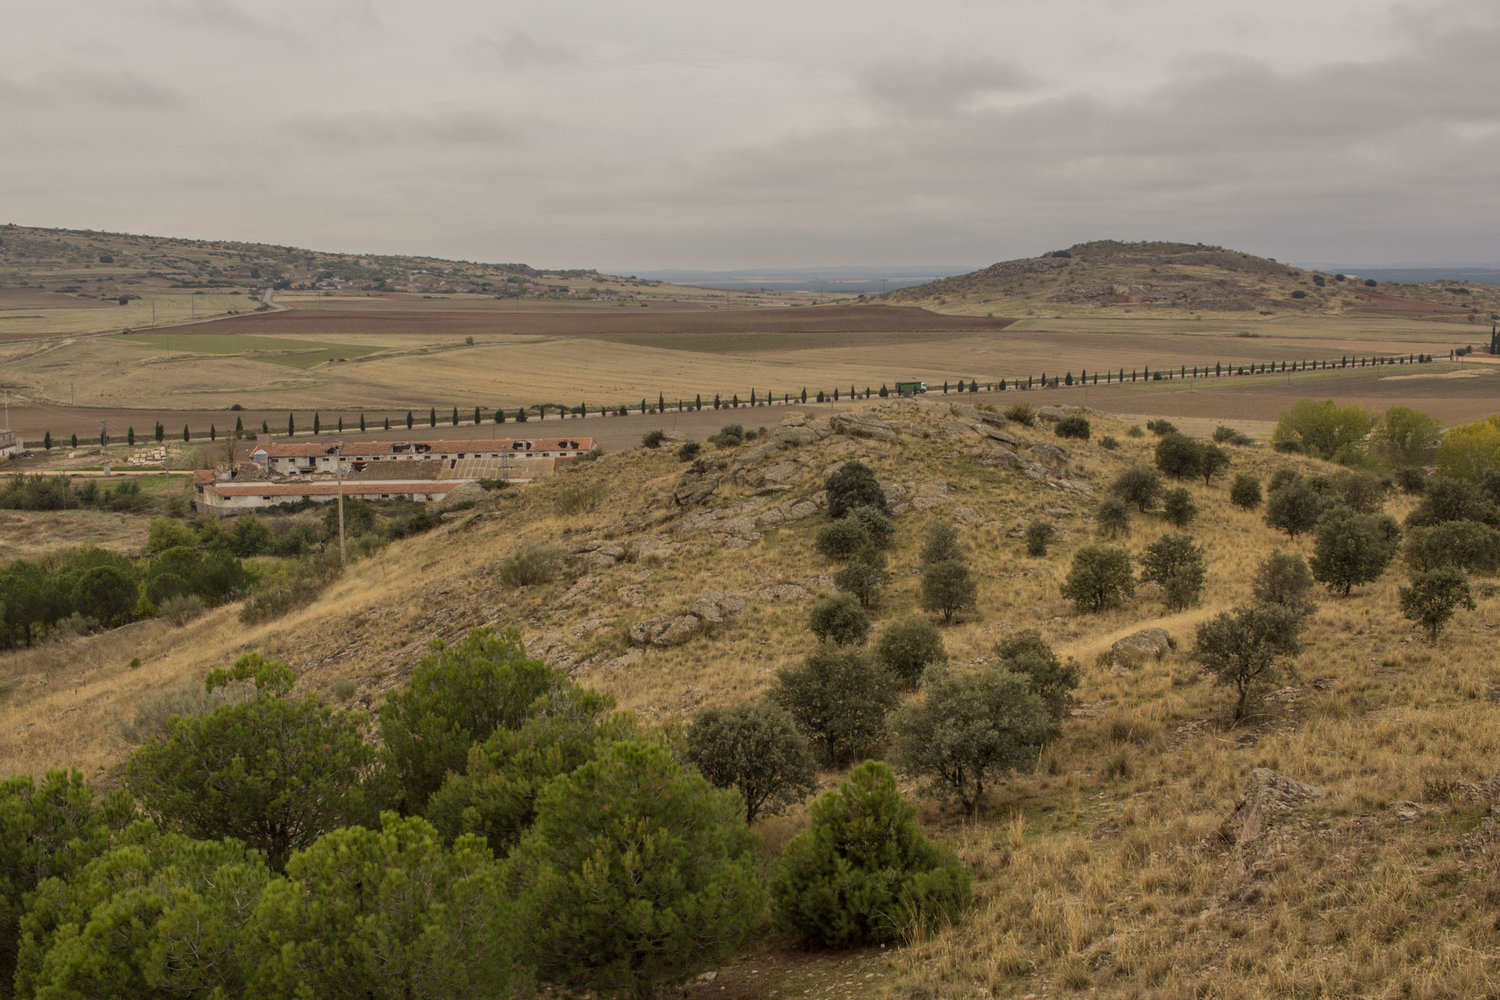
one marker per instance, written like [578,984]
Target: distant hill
[1173,278]
[86,263]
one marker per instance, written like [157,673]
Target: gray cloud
[938,86]
[518,50]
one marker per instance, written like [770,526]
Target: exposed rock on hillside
[1269,801]
[1149,645]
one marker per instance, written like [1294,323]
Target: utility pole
[338,469]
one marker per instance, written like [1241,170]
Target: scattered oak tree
[1243,648]
[756,749]
[1175,563]
[908,646]
[1433,597]
[1100,578]
[839,698]
[1352,549]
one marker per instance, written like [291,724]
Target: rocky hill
[87,262]
[1168,278]
[1153,849]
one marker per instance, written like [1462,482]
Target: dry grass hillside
[1107,872]
[1155,278]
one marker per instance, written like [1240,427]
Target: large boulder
[1149,645]
[1269,800]
[861,425]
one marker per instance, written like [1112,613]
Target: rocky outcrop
[861,424]
[708,610]
[1269,801]
[1149,645]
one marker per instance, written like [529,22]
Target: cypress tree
[213,433]
[317,423]
[432,416]
[130,436]
[47,441]
[291,426]
[361,423]
[239,428]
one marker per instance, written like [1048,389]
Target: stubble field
[382,361]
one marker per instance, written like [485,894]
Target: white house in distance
[377,470]
[10,444]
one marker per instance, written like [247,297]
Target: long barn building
[426,470]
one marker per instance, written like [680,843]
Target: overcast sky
[668,133]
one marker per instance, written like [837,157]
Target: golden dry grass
[1100,874]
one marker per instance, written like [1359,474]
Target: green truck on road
[910,388]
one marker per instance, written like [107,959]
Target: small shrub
[1113,518]
[1039,534]
[181,609]
[654,438]
[949,588]
[689,451]
[839,619]
[843,538]
[1099,578]
[1161,428]
[1245,492]
[863,873]
[1135,431]
[531,566]
[1109,443]
[908,647]
[1177,507]
[575,497]
[729,436]
[1073,427]
[1022,413]
[941,544]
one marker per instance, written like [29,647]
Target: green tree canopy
[908,646]
[1099,578]
[1243,647]
[853,485]
[862,872]
[1404,435]
[47,830]
[1352,549]
[456,697]
[276,773]
[1322,428]
[839,698]
[948,587]
[495,796]
[387,914]
[964,733]
[756,749]
[1433,597]
[159,915]
[636,872]
[1175,563]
